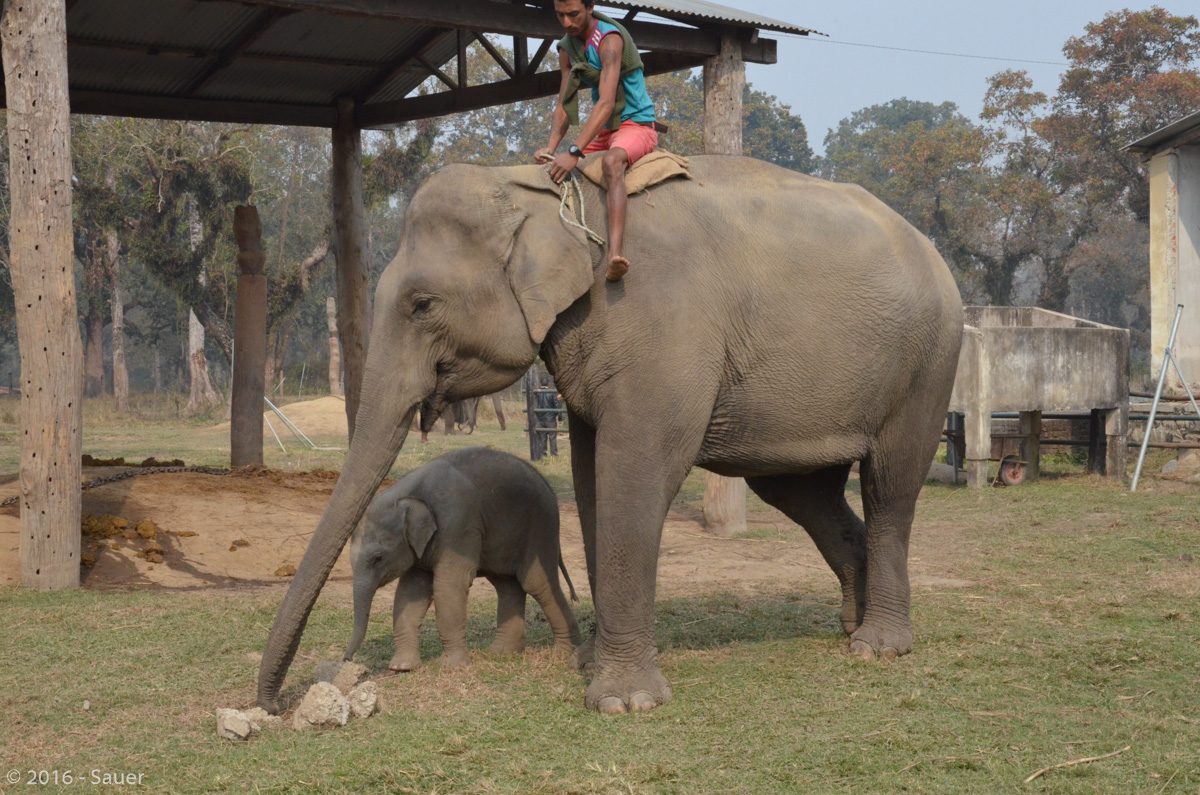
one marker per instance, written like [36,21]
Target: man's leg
[616,161]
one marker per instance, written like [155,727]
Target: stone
[1170,468]
[323,706]
[233,725]
[1189,463]
[344,675]
[364,700]
[260,719]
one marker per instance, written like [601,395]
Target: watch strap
[575,150]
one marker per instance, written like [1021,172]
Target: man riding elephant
[599,52]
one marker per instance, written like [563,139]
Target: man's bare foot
[617,267]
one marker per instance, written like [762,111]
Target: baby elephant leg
[414,592]
[544,587]
[510,616]
[450,587]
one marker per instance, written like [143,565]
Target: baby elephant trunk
[364,592]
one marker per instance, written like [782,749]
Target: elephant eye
[421,304]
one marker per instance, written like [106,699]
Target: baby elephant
[472,512]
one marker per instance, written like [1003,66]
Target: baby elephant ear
[550,264]
[419,525]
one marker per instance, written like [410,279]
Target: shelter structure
[1174,159]
[347,65]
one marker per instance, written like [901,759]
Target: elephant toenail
[642,702]
[890,654]
[611,705]
[862,649]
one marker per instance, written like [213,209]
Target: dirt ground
[247,529]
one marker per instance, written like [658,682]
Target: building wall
[1175,257]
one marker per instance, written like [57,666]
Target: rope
[567,185]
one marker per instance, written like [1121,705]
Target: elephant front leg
[451,584]
[638,475]
[583,473]
[510,616]
[414,592]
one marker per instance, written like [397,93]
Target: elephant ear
[419,525]
[549,263]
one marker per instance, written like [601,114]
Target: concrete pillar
[1116,428]
[724,84]
[350,246]
[1175,259]
[249,343]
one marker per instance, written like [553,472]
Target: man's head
[575,16]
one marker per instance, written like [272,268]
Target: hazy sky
[825,82]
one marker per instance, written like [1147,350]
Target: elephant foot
[507,646]
[454,659]
[869,642]
[621,693]
[403,662]
[852,616]
[583,656]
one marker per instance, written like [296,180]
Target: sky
[825,82]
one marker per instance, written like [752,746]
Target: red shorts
[636,139]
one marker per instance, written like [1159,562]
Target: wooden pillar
[724,84]
[350,245]
[1030,428]
[249,343]
[33,39]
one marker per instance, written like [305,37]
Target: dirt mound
[321,417]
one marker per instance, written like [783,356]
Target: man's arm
[559,124]
[612,48]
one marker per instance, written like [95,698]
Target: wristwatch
[576,151]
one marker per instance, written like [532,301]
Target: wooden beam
[542,84]
[199,52]
[252,33]
[497,56]
[535,62]
[464,39]
[149,107]
[402,63]
[483,16]
[521,54]
[436,72]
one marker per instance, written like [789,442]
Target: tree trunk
[353,279]
[33,40]
[120,371]
[250,331]
[203,396]
[724,84]
[335,348]
[157,371]
[93,351]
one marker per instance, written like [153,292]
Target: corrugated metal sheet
[1165,135]
[706,10]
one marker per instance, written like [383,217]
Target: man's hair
[586,3]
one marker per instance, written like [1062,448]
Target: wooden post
[1030,428]
[353,278]
[33,39]
[724,84]
[335,348]
[249,343]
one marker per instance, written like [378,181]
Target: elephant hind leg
[817,502]
[544,587]
[893,475]
[510,615]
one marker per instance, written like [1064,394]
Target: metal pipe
[1168,358]
[272,427]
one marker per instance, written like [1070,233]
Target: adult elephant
[773,326]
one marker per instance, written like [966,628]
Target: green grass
[1075,637]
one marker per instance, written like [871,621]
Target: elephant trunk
[379,434]
[364,593]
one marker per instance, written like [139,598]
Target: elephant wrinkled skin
[777,328]
[472,512]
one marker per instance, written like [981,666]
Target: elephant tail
[570,586]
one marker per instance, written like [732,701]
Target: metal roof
[291,61]
[1186,130]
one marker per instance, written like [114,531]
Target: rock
[1189,463]
[1193,478]
[260,719]
[364,700]
[342,675]
[323,706]
[233,725]
[1170,468]
[87,705]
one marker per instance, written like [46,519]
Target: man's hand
[562,167]
[543,155]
